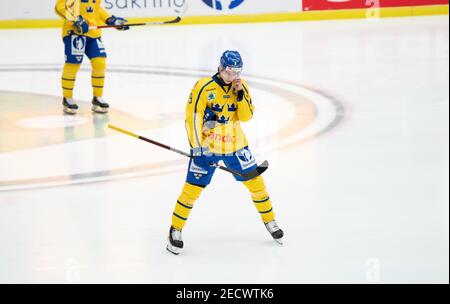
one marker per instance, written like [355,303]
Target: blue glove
[209,119]
[81,25]
[202,157]
[113,20]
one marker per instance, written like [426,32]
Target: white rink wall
[44,9]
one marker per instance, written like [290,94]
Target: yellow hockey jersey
[91,10]
[227,136]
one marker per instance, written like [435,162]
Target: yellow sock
[68,79]
[261,198]
[185,204]
[98,75]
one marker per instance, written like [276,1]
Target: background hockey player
[214,111]
[78,40]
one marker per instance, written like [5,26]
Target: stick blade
[258,171]
[263,167]
[176,20]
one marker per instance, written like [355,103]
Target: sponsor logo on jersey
[101,46]
[89,9]
[211,96]
[245,158]
[78,45]
[226,96]
[229,138]
[196,169]
[222,5]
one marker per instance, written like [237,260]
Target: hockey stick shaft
[168,148]
[148,140]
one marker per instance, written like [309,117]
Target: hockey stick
[176,20]
[255,173]
[173,21]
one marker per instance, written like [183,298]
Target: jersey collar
[225,87]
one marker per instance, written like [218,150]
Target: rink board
[406,11]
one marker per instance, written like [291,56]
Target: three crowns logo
[217,108]
[223,120]
[232,108]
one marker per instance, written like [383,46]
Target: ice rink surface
[352,115]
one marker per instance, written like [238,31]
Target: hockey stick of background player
[259,170]
[173,21]
[176,20]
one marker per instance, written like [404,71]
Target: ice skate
[175,242]
[99,105]
[70,107]
[275,232]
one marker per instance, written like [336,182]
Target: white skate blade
[69,111]
[279,241]
[100,110]
[173,249]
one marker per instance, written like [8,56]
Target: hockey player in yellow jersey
[214,112]
[80,40]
